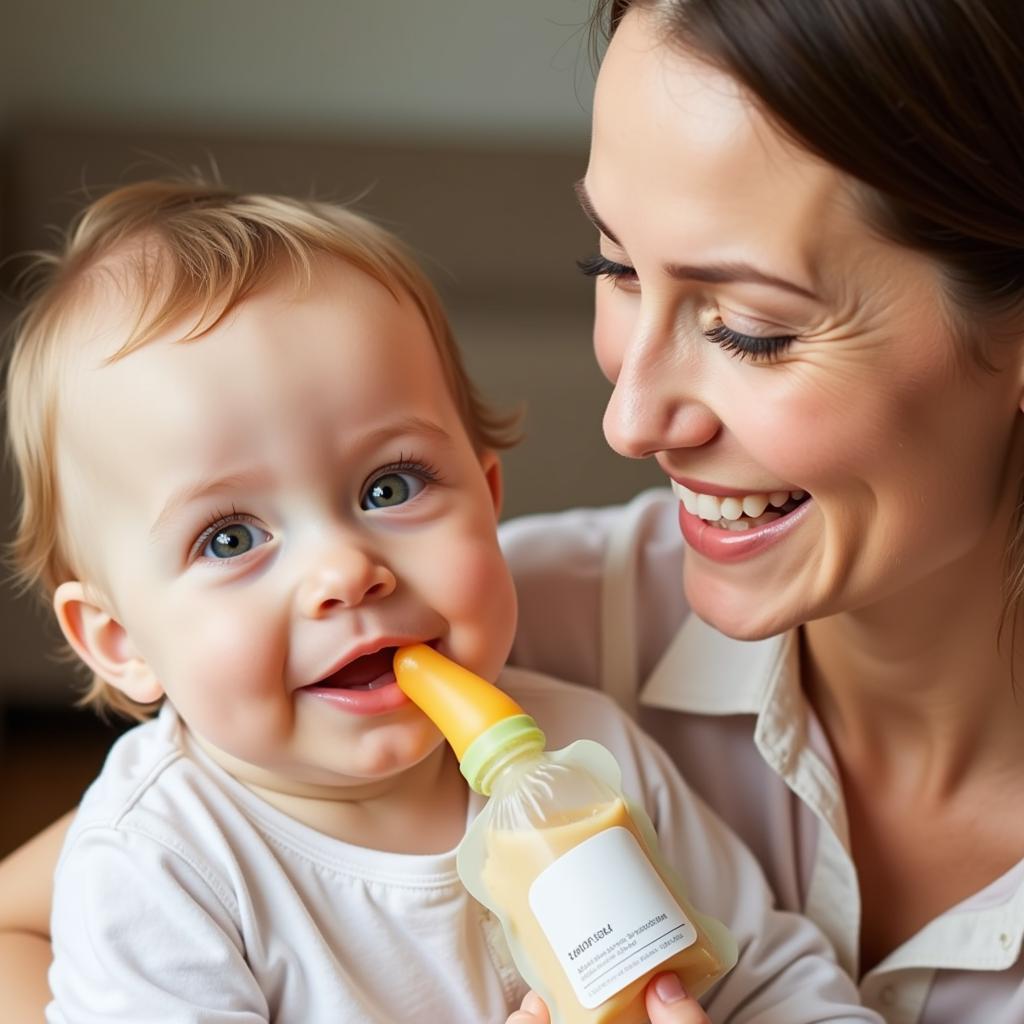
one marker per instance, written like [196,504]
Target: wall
[457,68]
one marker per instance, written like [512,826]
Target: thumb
[532,1011]
[668,1003]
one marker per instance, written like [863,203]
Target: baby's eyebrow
[408,426]
[185,496]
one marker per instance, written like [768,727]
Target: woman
[810,300]
[811,288]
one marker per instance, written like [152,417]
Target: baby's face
[272,509]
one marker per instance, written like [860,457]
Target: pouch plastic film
[573,871]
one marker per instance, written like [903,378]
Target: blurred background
[460,124]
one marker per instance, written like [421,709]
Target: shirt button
[888,995]
[1004,940]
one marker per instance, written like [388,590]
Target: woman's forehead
[680,152]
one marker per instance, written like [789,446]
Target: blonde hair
[197,251]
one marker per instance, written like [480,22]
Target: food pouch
[567,863]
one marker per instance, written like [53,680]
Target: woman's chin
[736,611]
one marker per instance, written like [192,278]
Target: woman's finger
[668,1003]
[531,1011]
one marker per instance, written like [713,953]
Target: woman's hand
[26,888]
[667,1003]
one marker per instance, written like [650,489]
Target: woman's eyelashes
[746,346]
[600,266]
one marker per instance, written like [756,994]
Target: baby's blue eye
[391,489]
[233,539]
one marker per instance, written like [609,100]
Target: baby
[252,465]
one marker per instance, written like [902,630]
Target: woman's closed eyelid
[756,348]
[747,323]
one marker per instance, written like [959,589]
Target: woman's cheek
[805,435]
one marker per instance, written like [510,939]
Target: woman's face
[793,373]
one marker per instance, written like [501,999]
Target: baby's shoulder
[149,788]
[137,761]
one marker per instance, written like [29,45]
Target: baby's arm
[26,889]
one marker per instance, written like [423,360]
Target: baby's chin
[402,761]
[366,768]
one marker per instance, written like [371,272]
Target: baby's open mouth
[739,513]
[369,672]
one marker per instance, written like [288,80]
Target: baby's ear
[491,465]
[103,644]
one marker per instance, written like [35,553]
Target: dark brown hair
[920,100]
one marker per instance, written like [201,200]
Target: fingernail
[669,988]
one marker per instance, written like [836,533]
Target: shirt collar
[974,935]
[705,672]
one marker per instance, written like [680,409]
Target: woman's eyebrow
[583,196]
[716,273]
[713,273]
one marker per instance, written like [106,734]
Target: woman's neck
[922,684]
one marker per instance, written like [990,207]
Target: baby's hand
[667,1003]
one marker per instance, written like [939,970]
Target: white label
[608,915]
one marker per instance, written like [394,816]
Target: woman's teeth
[743,513]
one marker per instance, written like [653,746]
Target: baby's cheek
[226,677]
[480,605]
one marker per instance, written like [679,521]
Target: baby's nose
[346,577]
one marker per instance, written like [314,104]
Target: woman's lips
[722,545]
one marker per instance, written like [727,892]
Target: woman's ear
[491,465]
[103,644]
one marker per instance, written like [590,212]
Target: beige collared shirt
[601,603]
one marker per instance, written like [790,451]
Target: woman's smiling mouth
[736,526]
[740,511]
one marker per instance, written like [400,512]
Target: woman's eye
[749,346]
[601,266]
[391,489]
[230,540]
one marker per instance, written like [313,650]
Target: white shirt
[181,896]
[601,599]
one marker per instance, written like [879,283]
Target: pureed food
[569,866]
[568,894]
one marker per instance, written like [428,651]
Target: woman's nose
[345,576]
[656,402]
